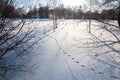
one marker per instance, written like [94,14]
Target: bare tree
[89,28]
[115,4]
[54,4]
[13,39]
[112,29]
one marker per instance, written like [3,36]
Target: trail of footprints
[64,52]
[78,62]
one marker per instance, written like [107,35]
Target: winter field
[70,53]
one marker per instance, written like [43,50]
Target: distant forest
[11,11]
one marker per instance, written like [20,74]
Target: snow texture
[66,55]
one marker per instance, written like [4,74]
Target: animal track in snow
[115,77]
[65,53]
[77,62]
[82,65]
[68,55]
[101,73]
[60,48]
[92,69]
[63,50]
[72,58]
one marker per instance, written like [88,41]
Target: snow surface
[66,55]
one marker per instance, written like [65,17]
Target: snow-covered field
[67,55]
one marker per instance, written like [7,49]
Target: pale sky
[43,2]
[73,2]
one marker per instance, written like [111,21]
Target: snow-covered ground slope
[67,55]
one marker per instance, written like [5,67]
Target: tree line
[11,11]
